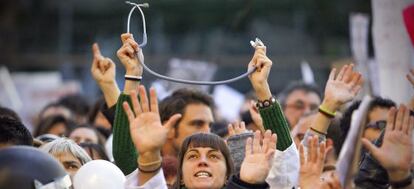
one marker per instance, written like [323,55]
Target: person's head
[78,106]
[23,167]
[298,132]
[95,151]
[196,109]
[298,99]
[97,118]
[68,153]
[13,132]
[6,112]
[86,134]
[57,125]
[204,161]
[54,109]
[377,117]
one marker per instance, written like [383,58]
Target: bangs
[206,140]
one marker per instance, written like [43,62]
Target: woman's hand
[258,159]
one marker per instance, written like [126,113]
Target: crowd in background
[288,140]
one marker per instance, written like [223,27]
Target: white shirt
[285,169]
[156,182]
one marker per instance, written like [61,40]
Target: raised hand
[259,78]
[395,153]
[342,88]
[258,158]
[311,166]
[147,132]
[103,69]
[257,119]
[237,128]
[127,54]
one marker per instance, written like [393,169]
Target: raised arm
[339,89]
[271,111]
[395,153]
[147,133]
[123,149]
[257,162]
[311,166]
[103,71]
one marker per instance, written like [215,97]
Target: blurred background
[45,45]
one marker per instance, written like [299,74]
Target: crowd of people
[289,141]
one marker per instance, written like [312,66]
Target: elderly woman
[204,160]
[68,153]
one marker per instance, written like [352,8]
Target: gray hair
[65,145]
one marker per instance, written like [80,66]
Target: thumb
[371,147]
[172,121]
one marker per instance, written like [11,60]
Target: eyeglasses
[301,105]
[377,125]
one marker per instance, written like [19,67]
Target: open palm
[311,166]
[395,153]
[147,132]
[345,86]
[258,158]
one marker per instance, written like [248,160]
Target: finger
[321,154]
[273,141]
[301,155]
[236,127]
[341,73]
[266,140]
[133,44]
[355,79]
[135,103]
[256,142]
[125,37]
[153,100]
[260,50]
[406,121]
[390,120]
[249,147]
[242,127]
[172,121]
[231,130]
[332,75]
[270,154]
[130,51]
[348,74]
[144,99]
[399,118]
[128,112]
[313,150]
[96,51]
[370,147]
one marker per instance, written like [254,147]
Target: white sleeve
[285,169]
[156,182]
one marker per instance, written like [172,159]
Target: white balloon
[99,174]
